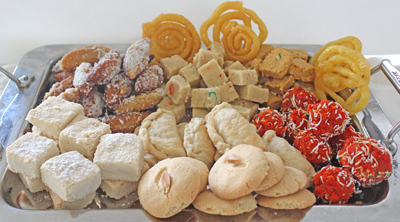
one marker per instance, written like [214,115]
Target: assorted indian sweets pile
[226,128]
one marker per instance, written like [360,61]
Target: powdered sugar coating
[137,57]
[105,69]
[119,88]
[71,176]
[93,105]
[81,73]
[149,79]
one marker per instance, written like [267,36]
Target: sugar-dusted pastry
[149,79]
[160,135]
[290,155]
[89,54]
[137,57]
[93,105]
[197,143]
[119,88]
[108,66]
[126,122]
[140,102]
[227,128]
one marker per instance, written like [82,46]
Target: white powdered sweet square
[120,157]
[83,135]
[53,115]
[29,152]
[71,176]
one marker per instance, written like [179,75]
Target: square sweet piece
[243,77]
[212,74]
[274,101]
[199,112]
[218,48]
[204,56]
[255,65]
[27,154]
[277,63]
[264,50]
[33,184]
[178,109]
[82,135]
[299,54]
[178,89]
[228,92]
[120,157]
[191,75]
[118,188]
[172,65]
[71,205]
[53,115]
[205,97]
[280,86]
[301,70]
[230,65]
[253,93]
[71,176]
[244,111]
[253,106]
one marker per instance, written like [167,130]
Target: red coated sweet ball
[296,120]
[368,161]
[297,98]
[314,148]
[327,119]
[270,119]
[337,142]
[333,185]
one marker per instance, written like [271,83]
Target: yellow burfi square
[212,74]
[172,65]
[243,77]
[204,56]
[245,103]
[191,75]
[205,97]
[178,89]
[228,92]
[178,109]
[253,93]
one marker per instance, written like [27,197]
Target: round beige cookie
[207,202]
[275,172]
[205,217]
[299,200]
[201,168]
[238,172]
[169,187]
[293,180]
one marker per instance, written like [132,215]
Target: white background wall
[27,24]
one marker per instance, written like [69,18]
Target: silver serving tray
[379,204]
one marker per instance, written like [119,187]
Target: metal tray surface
[378,204]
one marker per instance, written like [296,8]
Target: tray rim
[36,62]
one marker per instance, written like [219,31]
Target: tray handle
[22,82]
[394,77]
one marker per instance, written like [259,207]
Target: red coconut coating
[327,119]
[315,149]
[337,142]
[368,161]
[333,185]
[296,120]
[297,98]
[270,119]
